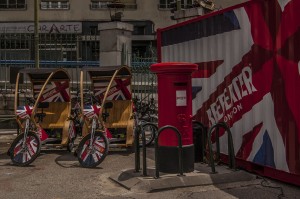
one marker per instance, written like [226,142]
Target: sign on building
[44,27]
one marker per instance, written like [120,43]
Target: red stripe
[62,87]
[260,79]
[206,69]
[247,142]
[17,149]
[122,87]
[31,150]
[84,153]
[260,32]
[289,23]
[98,157]
[58,88]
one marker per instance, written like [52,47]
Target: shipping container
[249,77]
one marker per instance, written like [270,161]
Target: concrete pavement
[201,176]
[7,132]
[56,174]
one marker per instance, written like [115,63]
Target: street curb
[134,181]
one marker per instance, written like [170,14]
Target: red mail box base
[168,158]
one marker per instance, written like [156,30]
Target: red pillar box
[175,108]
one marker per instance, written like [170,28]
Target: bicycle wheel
[23,156]
[150,130]
[92,157]
[149,118]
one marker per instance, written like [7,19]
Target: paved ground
[56,174]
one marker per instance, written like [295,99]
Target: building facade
[68,29]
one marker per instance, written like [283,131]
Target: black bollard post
[144,153]
[137,148]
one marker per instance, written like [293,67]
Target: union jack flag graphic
[120,89]
[21,155]
[90,157]
[54,92]
[248,77]
[72,131]
[91,111]
[42,133]
[24,111]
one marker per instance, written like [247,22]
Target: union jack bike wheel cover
[23,156]
[92,157]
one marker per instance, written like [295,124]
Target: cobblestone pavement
[56,174]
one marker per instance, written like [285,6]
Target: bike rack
[203,134]
[179,149]
[230,145]
[137,132]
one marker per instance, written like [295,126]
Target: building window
[55,5]
[102,4]
[13,4]
[165,4]
[14,41]
[139,30]
[94,30]
[99,4]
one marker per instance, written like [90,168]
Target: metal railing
[70,51]
[13,6]
[231,153]
[168,6]
[143,81]
[57,46]
[180,153]
[138,130]
[103,5]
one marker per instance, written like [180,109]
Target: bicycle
[150,129]
[146,111]
[44,117]
[93,148]
[27,145]
[76,123]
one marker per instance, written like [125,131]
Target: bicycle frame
[75,123]
[91,112]
[94,126]
[24,112]
[25,132]
[93,147]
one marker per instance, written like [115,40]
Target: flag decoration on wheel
[248,77]
[90,157]
[22,155]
